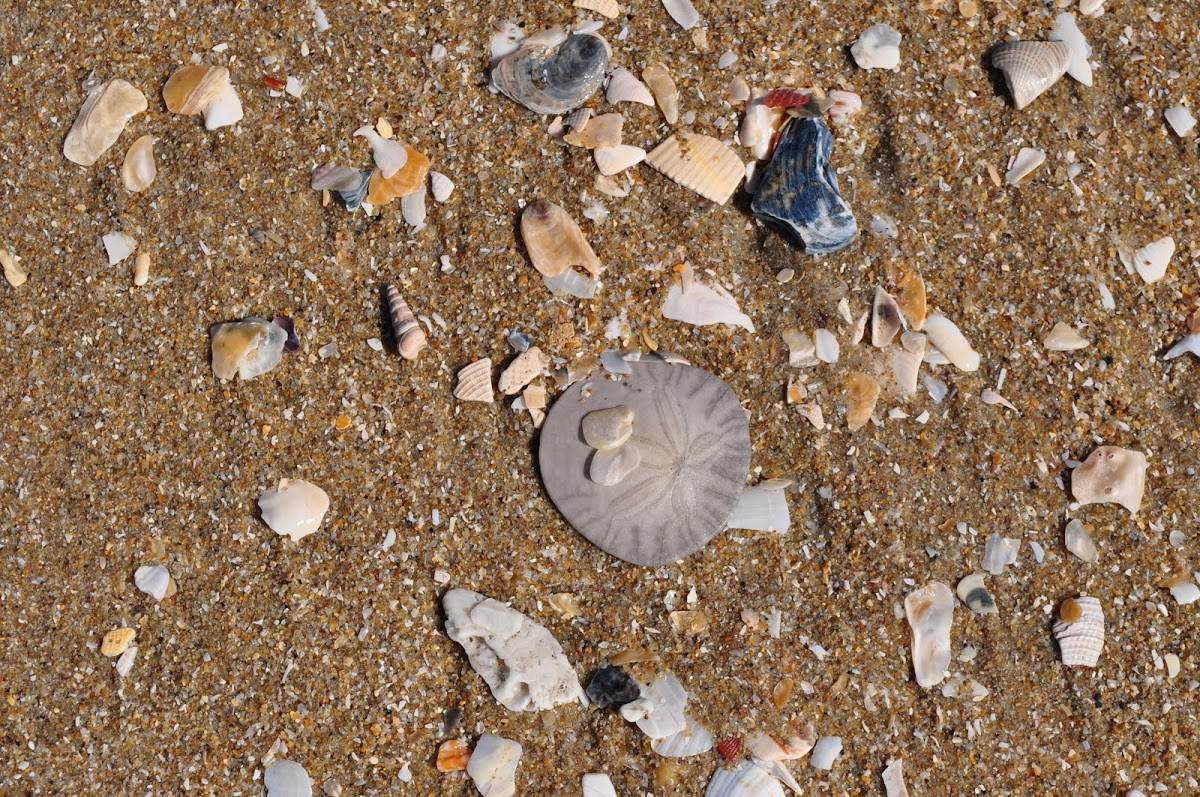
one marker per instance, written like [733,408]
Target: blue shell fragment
[800,190]
[353,199]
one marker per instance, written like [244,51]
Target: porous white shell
[893,778]
[1066,30]
[521,661]
[605,8]
[623,86]
[440,186]
[930,612]
[611,467]
[1027,160]
[390,156]
[877,48]
[1180,119]
[598,784]
[295,509]
[683,12]
[608,429]
[763,507]
[285,778]
[224,109]
[614,160]
[658,79]
[1111,475]
[700,163]
[152,580]
[1082,641]
[1031,67]
[139,170]
[701,304]
[118,246]
[521,371]
[475,382]
[246,348]
[493,765]
[950,341]
[826,751]
[1064,337]
[668,700]
[694,739]
[744,780]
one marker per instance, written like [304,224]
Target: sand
[119,447]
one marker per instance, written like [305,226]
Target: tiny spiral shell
[410,338]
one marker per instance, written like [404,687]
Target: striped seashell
[578,119]
[410,338]
[623,86]
[605,8]
[475,382]
[1030,67]
[1082,640]
[729,747]
[700,163]
[745,780]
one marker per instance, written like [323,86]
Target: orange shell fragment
[408,179]
[452,756]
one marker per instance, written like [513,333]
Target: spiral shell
[1030,67]
[1082,640]
[410,338]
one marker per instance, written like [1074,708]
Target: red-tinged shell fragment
[273,82]
[787,98]
[729,747]
[452,756]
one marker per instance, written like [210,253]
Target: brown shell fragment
[554,241]
[662,86]
[600,131]
[700,163]
[910,295]
[885,319]
[1031,67]
[410,338]
[475,382]
[101,120]
[116,641]
[406,180]
[192,88]
[861,392]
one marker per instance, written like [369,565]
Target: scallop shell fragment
[475,382]
[410,338]
[295,509]
[658,79]
[1151,260]
[623,86]
[552,72]
[554,241]
[139,170]
[694,739]
[930,612]
[101,120]
[1031,67]
[247,348]
[1082,641]
[700,163]
[1111,475]
[192,88]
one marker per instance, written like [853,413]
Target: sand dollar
[694,441]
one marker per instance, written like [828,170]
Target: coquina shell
[553,72]
[1082,641]
[1031,67]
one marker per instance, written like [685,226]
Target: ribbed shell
[1031,67]
[521,371]
[700,163]
[607,8]
[1082,640]
[744,780]
[553,79]
[475,382]
[410,338]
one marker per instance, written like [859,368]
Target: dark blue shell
[353,199]
[800,191]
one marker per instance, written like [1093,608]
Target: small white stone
[295,509]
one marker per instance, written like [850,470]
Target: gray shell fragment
[353,199]
[694,441]
[550,75]
[800,190]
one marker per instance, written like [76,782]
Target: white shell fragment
[826,750]
[999,553]
[493,765]
[614,160]
[1111,475]
[1082,641]
[605,8]
[827,348]
[877,48]
[845,104]
[440,186]
[528,365]
[1091,8]
[950,341]
[125,661]
[623,86]
[608,430]
[101,120]
[765,747]
[390,156]
[700,163]
[13,271]
[412,208]
[295,509]
[1184,589]
[1063,337]
[1189,344]
[974,593]
[1151,260]
[683,12]
[598,784]
[225,108]
[519,660]
[285,778]
[744,780]
[701,304]
[1078,542]
[118,246]
[152,580]
[930,612]
[906,362]
[139,170]
[694,739]
[1030,67]
[667,700]
[475,382]
[763,507]
[1024,164]
[893,779]
[611,467]
[1066,30]
[1180,119]
[247,348]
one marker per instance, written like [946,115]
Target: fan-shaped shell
[551,74]
[1031,67]
[694,739]
[700,163]
[1082,641]
[475,382]
[745,780]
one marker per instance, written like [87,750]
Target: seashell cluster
[699,163]
[295,509]
[1111,475]
[101,120]
[410,338]
[390,156]
[930,612]
[1030,68]
[203,89]
[475,382]
[552,72]
[404,181]
[799,190]
[246,348]
[1081,639]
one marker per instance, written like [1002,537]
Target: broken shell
[614,160]
[609,467]
[845,104]
[328,177]
[572,283]
[683,12]
[766,748]
[295,509]
[552,72]
[101,120]
[730,747]
[13,272]
[1078,542]
[602,131]
[972,591]
[762,508]
[1082,641]
[224,109]
[1151,260]
[578,119]
[694,739]
[930,612]
[440,186]
[893,779]
[554,241]
[906,362]
[699,163]
[885,319]
[1179,118]
[353,200]
[1070,611]
[605,8]
[800,190]
[877,48]
[139,170]
[390,156]
[452,756]
[118,246]
[412,207]
[662,86]
[1024,164]
[597,784]
[1111,475]
[283,778]
[862,392]
[1030,67]
[744,780]
[405,181]
[1063,337]
[493,765]
[608,429]
[528,365]
[246,348]
[1066,30]
[825,752]
[1188,344]
[910,295]
[475,382]
[700,304]
[667,699]
[623,86]
[192,88]
[152,580]
[115,641]
[410,338]
[950,341]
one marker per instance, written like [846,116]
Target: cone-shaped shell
[1031,67]
[101,120]
[192,88]
[475,382]
[700,163]
[554,241]
[408,179]
[410,338]
[139,170]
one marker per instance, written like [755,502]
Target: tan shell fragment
[862,392]
[101,120]
[1111,475]
[1031,67]
[1082,641]
[190,90]
[521,371]
[554,241]
[700,163]
[139,170]
[662,86]
[910,295]
[13,272]
[600,131]
[475,382]
[605,8]
[410,338]
[116,640]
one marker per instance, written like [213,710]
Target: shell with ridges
[475,382]
[1082,641]
[694,739]
[554,241]
[1030,67]
[744,780]
[410,338]
[521,371]
[700,163]
[605,8]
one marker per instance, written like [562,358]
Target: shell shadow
[995,76]
[387,335]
